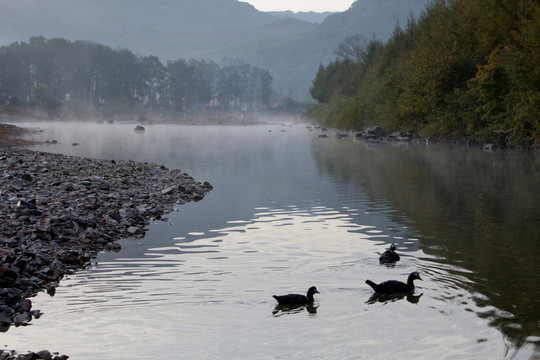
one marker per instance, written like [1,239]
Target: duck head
[312,290]
[415,276]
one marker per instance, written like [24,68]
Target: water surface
[290,210]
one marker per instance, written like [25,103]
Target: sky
[301,5]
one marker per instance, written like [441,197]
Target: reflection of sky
[201,282]
[249,167]
[240,255]
[208,294]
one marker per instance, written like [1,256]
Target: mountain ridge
[290,47]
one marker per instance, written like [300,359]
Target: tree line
[85,77]
[465,69]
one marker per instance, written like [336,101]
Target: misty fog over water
[290,210]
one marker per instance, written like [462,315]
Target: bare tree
[353,48]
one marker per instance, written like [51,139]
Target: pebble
[58,212]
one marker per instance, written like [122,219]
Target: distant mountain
[291,46]
[372,18]
[309,16]
[102,16]
[294,60]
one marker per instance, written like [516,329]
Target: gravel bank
[57,212]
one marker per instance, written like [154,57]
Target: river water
[290,210]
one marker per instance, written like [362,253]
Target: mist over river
[290,210]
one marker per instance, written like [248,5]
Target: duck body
[390,255]
[395,286]
[297,299]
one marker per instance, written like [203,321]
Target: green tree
[44,99]
[153,91]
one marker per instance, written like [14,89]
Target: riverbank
[215,117]
[58,212]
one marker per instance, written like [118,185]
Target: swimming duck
[394,286]
[389,255]
[297,299]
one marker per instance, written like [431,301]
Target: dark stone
[4,319]
[376,131]
[26,204]
[8,277]
[169,190]
[21,319]
[105,186]
[25,305]
[44,354]
[207,185]
[27,177]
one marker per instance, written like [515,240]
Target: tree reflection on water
[473,209]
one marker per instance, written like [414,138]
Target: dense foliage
[465,69]
[58,74]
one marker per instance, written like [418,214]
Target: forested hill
[292,49]
[466,69]
[51,18]
[371,18]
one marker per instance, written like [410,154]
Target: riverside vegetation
[85,80]
[466,69]
[57,212]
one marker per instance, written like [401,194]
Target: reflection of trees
[476,210]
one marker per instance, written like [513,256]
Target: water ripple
[204,285]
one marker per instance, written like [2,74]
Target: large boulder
[375,132]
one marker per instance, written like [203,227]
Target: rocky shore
[57,212]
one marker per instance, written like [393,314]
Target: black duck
[394,286]
[389,256]
[297,299]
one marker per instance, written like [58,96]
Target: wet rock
[206,185]
[36,314]
[21,319]
[169,190]
[375,132]
[27,177]
[25,305]
[133,230]
[113,247]
[8,277]
[105,186]
[400,136]
[4,319]
[40,355]
[21,204]
[490,147]
[44,354]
